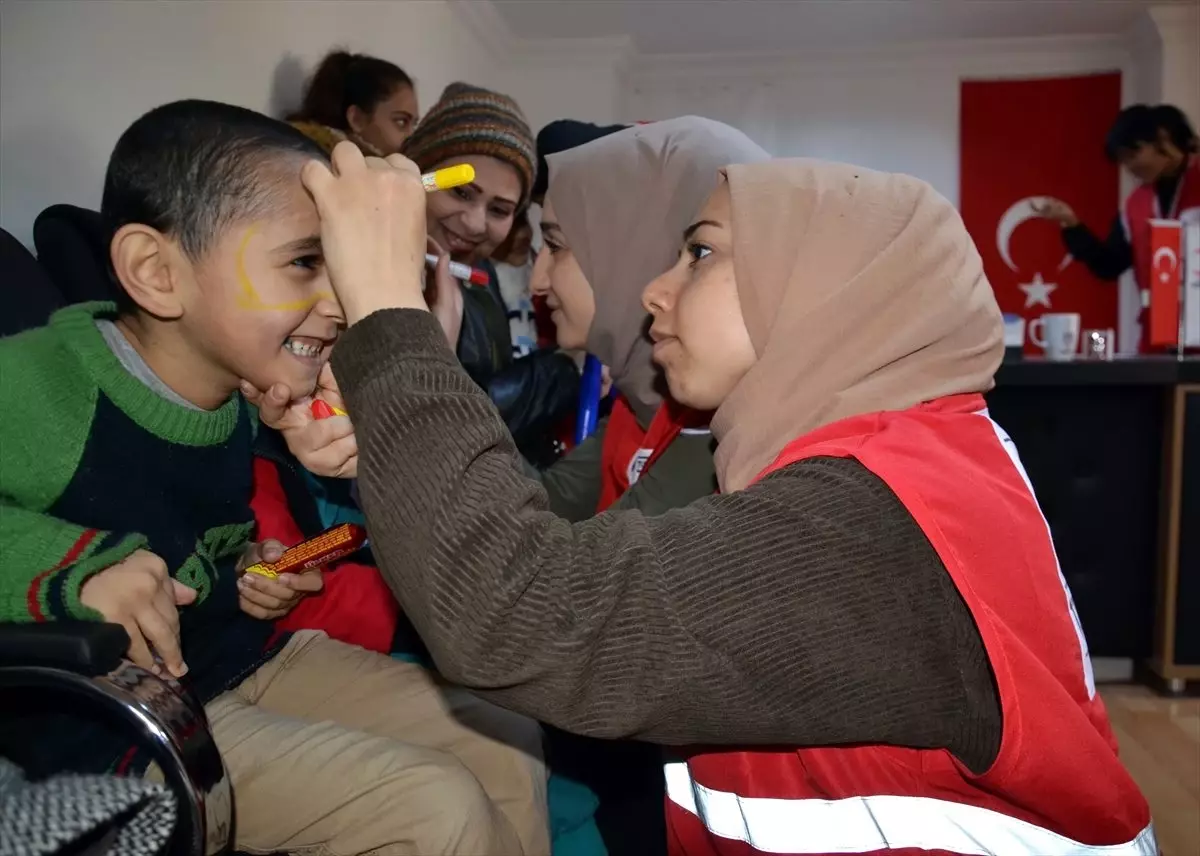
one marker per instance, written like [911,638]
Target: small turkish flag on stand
[1166,253]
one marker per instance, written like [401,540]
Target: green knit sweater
[96,465]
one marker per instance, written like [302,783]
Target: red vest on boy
[1140,208]
[355,606]
[1056,786]
[628,451]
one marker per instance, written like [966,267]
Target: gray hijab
[623,202]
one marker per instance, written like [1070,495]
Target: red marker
[458,270]
[322,410]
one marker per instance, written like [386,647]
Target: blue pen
[589,399]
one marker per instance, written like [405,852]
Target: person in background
[650,454]
[513,262]
[486,129]
[864,643]
[367,100]
[1158,147]
[646,181]
[559,136]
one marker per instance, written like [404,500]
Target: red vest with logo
[628,451]
[1141,207]
[1056,786]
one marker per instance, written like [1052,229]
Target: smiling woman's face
[557,276]
[700,336]
[389,123]
[470,221]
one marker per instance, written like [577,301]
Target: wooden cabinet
[1176,657]
[1113,452]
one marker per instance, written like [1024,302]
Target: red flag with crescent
[1023,141]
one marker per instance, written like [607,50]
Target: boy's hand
[142,597]
[444,296]
[324,446]
[372,229]
[271,599]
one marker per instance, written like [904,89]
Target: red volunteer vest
[628,451]
[1140,208]
[1055,788]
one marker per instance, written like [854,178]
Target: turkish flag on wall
[1021,141]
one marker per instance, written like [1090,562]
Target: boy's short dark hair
[191,168]
[1140,125]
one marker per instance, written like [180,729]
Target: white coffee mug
[1056,333]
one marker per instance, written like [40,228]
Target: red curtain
[1022,140]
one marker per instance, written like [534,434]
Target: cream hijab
[861,292]
[623,202]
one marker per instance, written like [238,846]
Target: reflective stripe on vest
[872,823]
[1010,448]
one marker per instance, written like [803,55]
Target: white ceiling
[702,26]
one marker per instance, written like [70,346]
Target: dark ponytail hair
[1171,119]
[1140,125]
[344,80]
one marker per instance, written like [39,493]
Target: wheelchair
[82,665]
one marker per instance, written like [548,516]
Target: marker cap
[451,176]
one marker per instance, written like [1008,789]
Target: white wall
[904,123]
[74,74]
[575,78]
[557,87]
[1179,30]
[896,110]
[1145,62]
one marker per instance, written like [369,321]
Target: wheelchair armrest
[86,648]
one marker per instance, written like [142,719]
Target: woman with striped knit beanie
[487,130]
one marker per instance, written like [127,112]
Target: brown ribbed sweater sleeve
[806,610]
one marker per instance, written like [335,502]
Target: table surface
[1120,371]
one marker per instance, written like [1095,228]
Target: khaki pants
[334,750]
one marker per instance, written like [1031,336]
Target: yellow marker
[451,176]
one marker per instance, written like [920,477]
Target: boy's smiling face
[258,304]
[216,245]
[265,302]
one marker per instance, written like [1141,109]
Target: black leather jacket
[532,392]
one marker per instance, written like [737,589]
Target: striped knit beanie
[468,120]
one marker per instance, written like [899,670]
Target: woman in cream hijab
[611,221]
[864,644]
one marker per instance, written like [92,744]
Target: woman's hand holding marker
[316,429]
[443,294]
[372,229]
[373,237]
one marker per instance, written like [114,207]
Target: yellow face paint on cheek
[247,295]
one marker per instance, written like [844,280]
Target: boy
[126,484]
